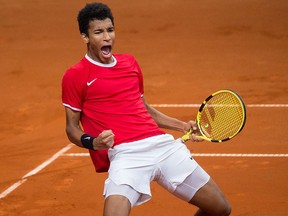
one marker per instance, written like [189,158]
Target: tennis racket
[220,117]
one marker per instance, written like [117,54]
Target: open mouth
[106,51]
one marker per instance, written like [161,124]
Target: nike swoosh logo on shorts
[89,83]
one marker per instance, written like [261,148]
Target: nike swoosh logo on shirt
[89,83]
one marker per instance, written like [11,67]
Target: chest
[115,84]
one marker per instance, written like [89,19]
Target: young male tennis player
[104,93]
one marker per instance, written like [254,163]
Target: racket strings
[222,116]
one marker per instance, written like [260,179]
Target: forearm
[74,134]
[165,121]
[104,140]
[73,129]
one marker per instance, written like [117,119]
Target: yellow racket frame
[204,134]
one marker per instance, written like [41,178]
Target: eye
[111,29]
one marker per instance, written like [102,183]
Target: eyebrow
[101,28]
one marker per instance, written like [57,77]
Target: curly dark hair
[93,11]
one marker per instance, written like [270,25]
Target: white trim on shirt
[73,108]
[101,64]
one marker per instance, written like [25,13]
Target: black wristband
[87,141]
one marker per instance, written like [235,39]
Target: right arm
[104,140]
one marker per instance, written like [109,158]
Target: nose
[106,36]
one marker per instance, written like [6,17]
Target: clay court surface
[187,49]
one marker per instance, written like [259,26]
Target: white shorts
[160,158]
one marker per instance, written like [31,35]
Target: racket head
[221,116]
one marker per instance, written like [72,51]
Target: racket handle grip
[187,135]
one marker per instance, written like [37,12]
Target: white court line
[63,150]
[200,155]
[76,154]
[34,171]
[238,155]
[198,105]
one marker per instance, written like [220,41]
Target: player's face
[100,40]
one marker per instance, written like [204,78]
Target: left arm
[164,121]
[167,122]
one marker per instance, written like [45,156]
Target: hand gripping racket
[220,117]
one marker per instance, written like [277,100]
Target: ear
[85,38]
